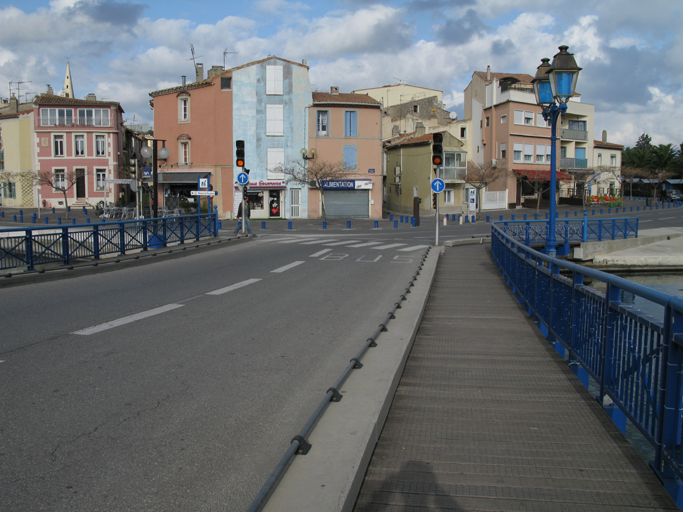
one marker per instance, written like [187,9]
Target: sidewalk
[487,416]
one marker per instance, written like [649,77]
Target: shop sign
[347,185]
[266,184]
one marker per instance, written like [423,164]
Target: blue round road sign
[242,178]
[438,185]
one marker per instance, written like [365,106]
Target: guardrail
[30,247]
[531,232]
[299,444]
[636,359]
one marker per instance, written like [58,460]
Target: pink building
[347,128]
[79,142]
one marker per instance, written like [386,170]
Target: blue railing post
[609,333]
[324,224]
[215,221]
[181,230]
[65,245]
[29,249]
[145,236]
[96,241]
[584,228]
[122,238]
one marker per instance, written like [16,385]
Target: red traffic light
[437,159]
[239,153]
[437,148]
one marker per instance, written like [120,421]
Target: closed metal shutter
[347,204]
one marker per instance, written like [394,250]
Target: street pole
[437,220]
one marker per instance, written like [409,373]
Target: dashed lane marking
[128,319]
[232,287]
[287,267]
[366,244]
[343,242]
[390,246]
[319,253]
[414,248]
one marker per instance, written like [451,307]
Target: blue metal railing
[636,359]
[579,230]
[48,245]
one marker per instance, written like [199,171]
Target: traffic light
[239,153]
[437,149]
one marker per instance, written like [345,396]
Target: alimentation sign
[347,184]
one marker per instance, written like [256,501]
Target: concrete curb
[330,476]
[468,241]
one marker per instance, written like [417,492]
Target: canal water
[671,283]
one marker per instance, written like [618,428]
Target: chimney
[304,62]
[50,90]
[419,130]
[200,72]
[334,90]
[488,73]
[215,71]
[183,80]
[91,97]
[604,135]
[13,105]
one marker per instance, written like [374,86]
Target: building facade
[346,130]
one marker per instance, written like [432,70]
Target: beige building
[17,140]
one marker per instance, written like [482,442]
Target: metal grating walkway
[487,416]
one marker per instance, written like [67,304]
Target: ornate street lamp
[553,85]
[155,153]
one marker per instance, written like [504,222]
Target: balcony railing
[573,163]
[574,134]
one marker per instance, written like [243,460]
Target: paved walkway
[488,417]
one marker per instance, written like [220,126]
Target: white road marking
[366,244]
[287,267]
[414,248]
[297,240]
[642,221]
[343,242]
[232,287]
[319,253]
[390,246]
[667,218]
[321,241]
[128,319]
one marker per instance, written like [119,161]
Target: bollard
[453,217]
[566,214]
[546,215]
[73,221]
[513,217]
[2,215]
[474,219]
[488,218]
[467,219]
[68,209]
[401,219]
[412,221]
[536,216]
[631,208]
[593,211]
[460,219]
[14,217]
[396,223]
[609,210]
[324,224]
[289,225]
[87,221]
[33,218]
[525,216]
[46,220]
[85,212]
[391,216]
[601,211]
[376,224]
[263,224]
[501,217]
[59,220]
[576,213]
[348,224]
[445,219]
[53,209]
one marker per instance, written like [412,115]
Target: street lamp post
[155,153]
[553,85]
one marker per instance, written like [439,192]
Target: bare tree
[314,174]
[481,177]
[60,181]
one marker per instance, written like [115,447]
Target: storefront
[347,198]
[177,187]
[266,199]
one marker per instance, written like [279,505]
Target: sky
[631,51]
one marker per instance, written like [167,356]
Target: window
[322,123]
[350,157]
[503,119]
[184,109]
[93,117]
[613,160]
[58,145]
[275,121]
[517,155]
[351,123]
[488,121]
[276,161]
[56,117]
[226,83]
[448,196]
[463,132]
[548,154]
[503,150]
[528,153]
[540,154]
[79,145]
[454,166]
[59,180]
[540,121]
[529,118]
[100,149]
[100,176]
[579,126]
[519,117]
[416,109]
[9,190]
[274,80]
[599,158]
[184,153]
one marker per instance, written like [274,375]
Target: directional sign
[243,178]
[203,193]
[438,185]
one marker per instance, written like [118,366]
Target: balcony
[64,122]
[574,134]
[573,163]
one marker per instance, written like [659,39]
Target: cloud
[460,31]
[107,11]
[274,7]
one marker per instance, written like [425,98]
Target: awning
[538,175]
[182,177]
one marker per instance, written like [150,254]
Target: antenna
[399,80]
[225,52]
[18,84]
[194,58]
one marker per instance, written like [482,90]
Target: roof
[398,85]
[207,82]
[540,175]
[522,77]
[326,98]
[608,145]
[409,139]
[51,99]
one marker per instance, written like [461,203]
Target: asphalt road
[178,385]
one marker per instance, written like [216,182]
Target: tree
[61,181]
[314,174]
[481,177]
[644,142]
